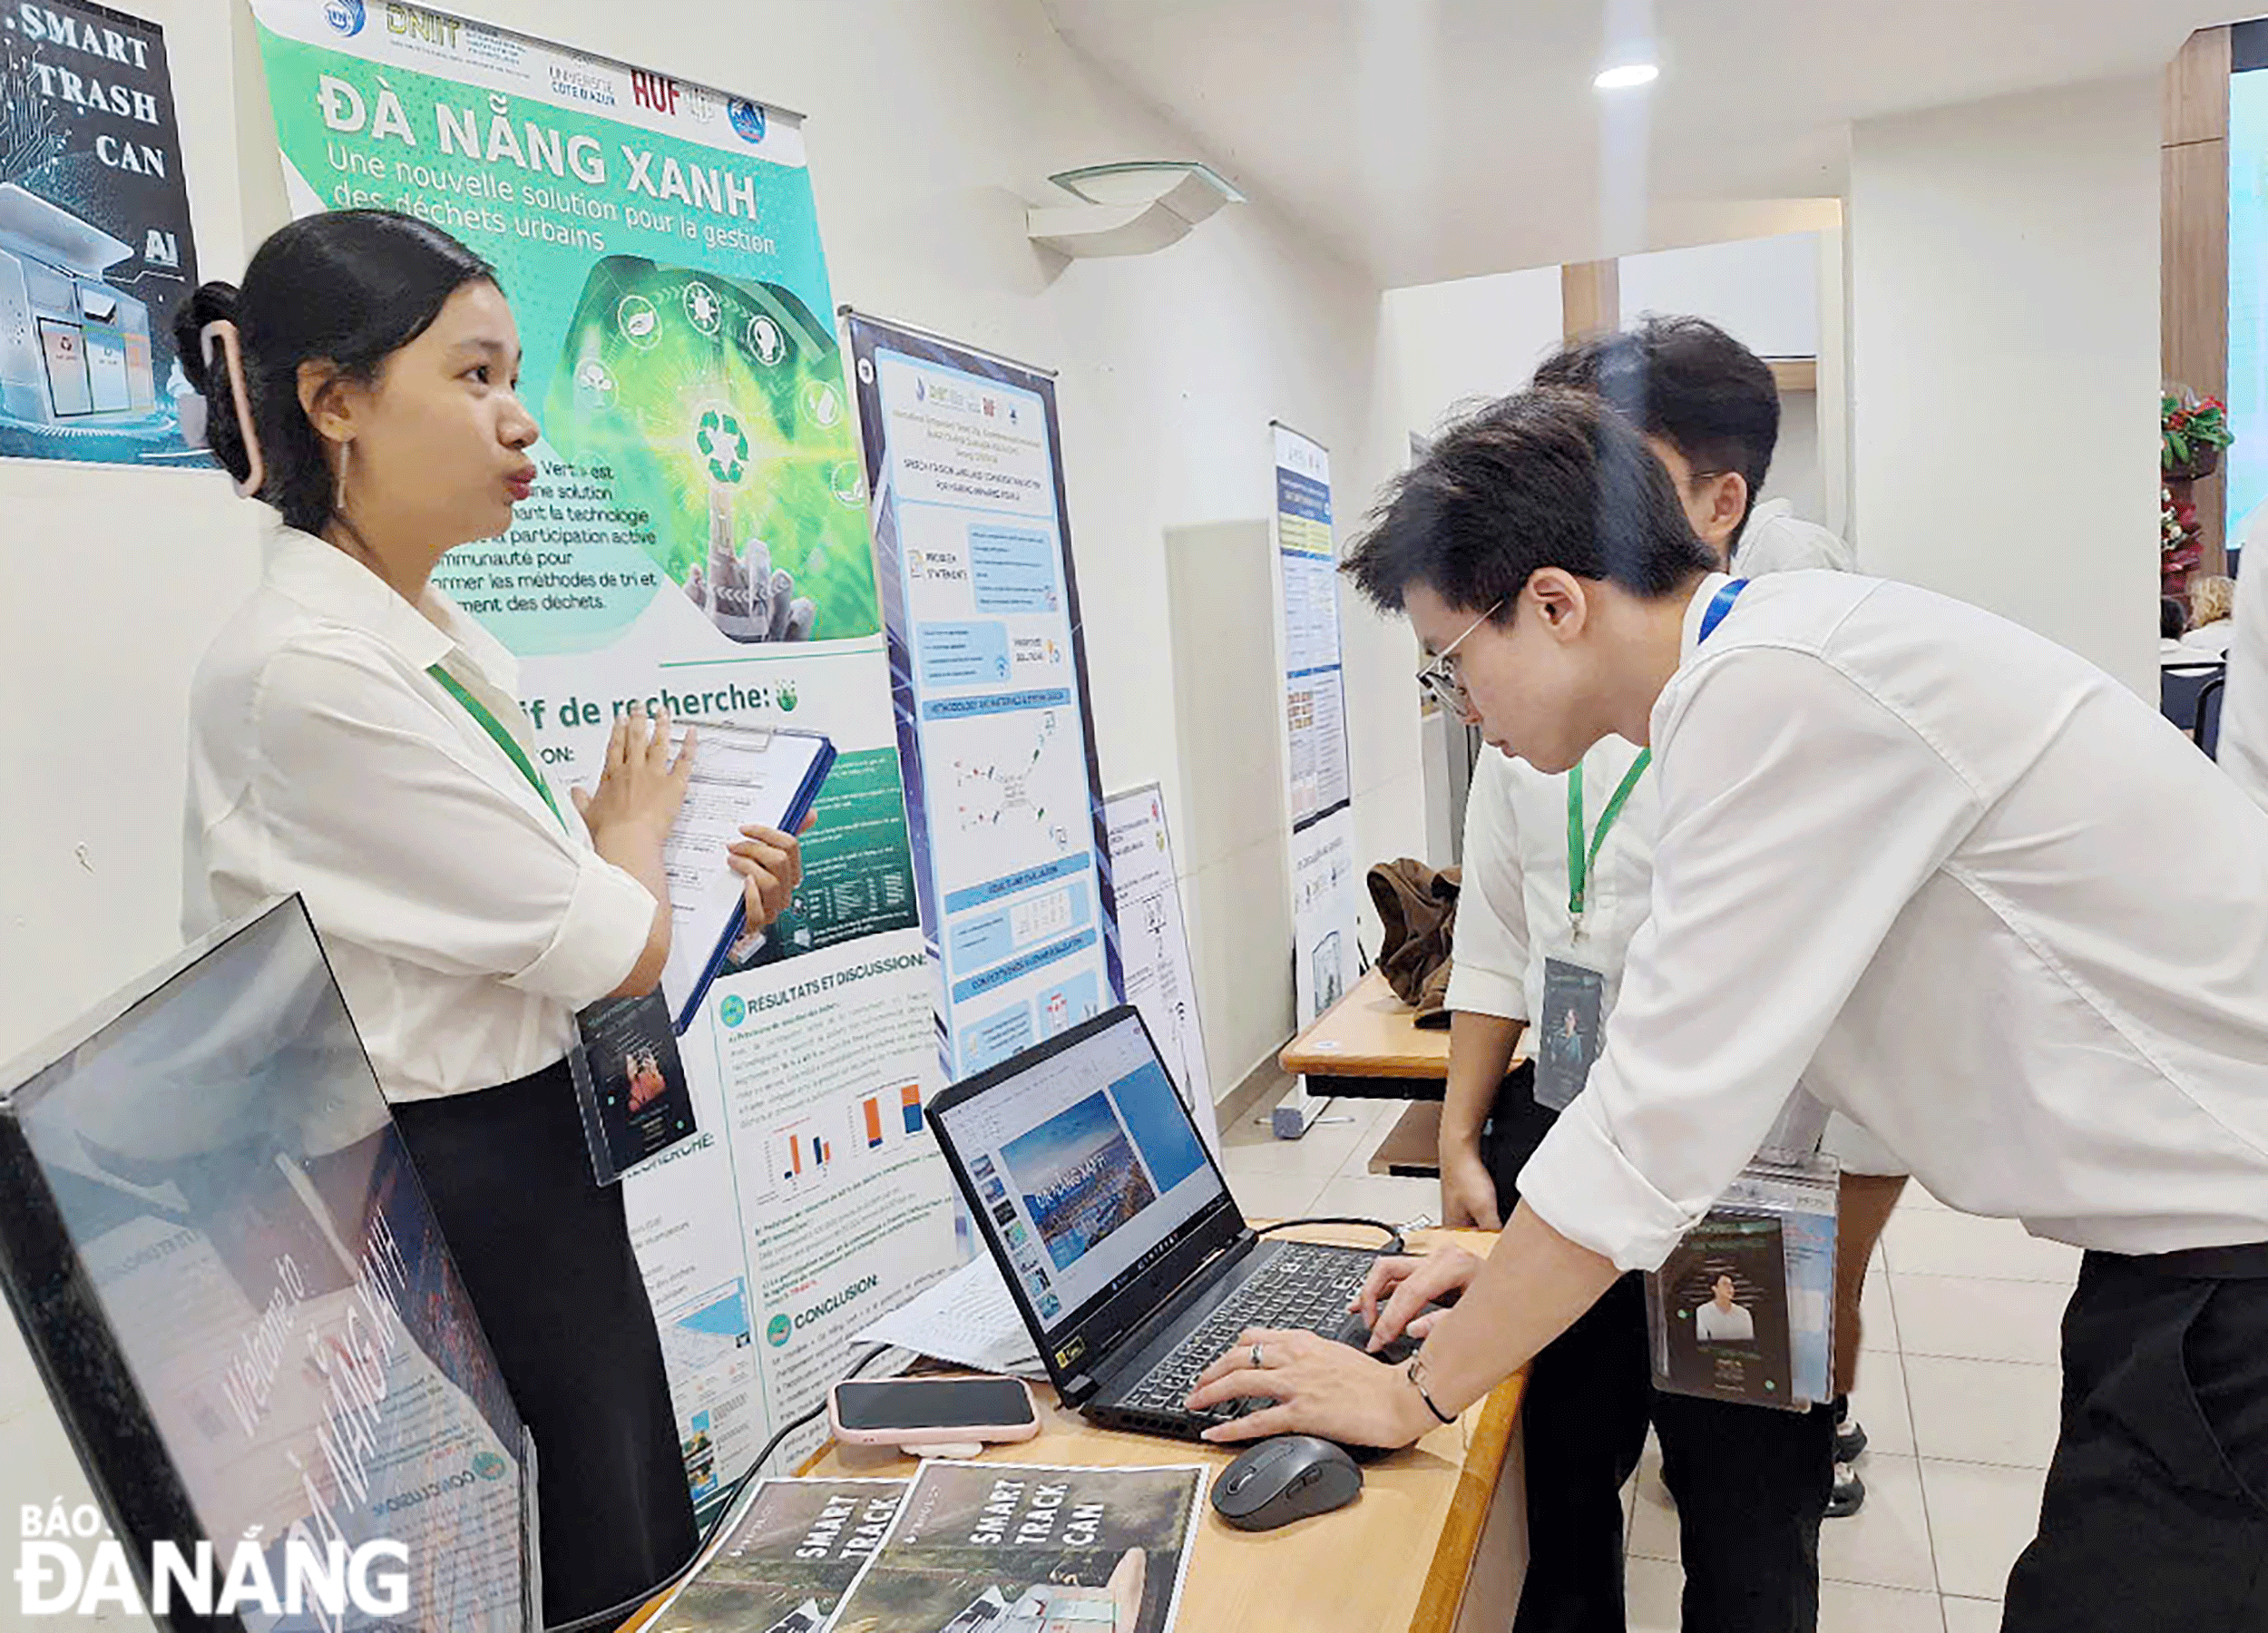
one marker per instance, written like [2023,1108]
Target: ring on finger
[1257,1362]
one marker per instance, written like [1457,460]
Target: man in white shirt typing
[1914,855]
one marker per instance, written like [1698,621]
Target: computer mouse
[1356,1331]
[1286,1479]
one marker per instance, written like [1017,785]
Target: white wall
[1781,297]
[2004,341]
[1764,291]
[929,128]
[1445,346]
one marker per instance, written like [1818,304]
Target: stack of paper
[969,1318]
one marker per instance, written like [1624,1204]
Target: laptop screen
[1085,1168]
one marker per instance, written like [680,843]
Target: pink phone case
[953,1434]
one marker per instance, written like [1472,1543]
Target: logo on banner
[654,92]
[747,119]
[345,17]
[430,28]
[778,1330]
[733,1010]
[784,694]
[582,85]
[723,445]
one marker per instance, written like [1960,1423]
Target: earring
[338,491]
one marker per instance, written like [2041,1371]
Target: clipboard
[741,774]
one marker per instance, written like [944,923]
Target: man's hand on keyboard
[1318,1386]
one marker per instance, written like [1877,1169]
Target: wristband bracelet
[1418,1383]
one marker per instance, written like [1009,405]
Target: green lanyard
[505,740]
[1580,862]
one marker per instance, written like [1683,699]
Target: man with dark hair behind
[1911,853]
[1710,410]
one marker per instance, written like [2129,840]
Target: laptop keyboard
[1302,1286]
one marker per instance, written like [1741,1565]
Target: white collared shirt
[1511,908]
[1776,540]
[464,921]
[1976,892]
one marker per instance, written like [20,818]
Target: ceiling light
[1627,77]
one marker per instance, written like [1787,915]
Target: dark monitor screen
[237,1294]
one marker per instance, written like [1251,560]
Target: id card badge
[1574,1017]
[630,1082]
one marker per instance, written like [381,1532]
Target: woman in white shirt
[355,738]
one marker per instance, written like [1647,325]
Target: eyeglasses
[1442,680]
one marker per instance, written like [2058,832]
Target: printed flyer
[1007,1545]
[698,540]
[789,1561]
[95,246]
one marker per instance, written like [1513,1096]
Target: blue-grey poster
[988,674]
[95,246]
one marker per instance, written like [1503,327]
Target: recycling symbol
[723,445]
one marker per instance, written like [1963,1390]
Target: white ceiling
[1433,139]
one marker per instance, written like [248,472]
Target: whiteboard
[1154,946]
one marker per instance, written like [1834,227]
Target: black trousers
[545,1257]
[1751,1483]
[2155,1513]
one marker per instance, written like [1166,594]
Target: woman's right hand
[1399,1287]
[641,788]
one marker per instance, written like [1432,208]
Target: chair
[2182,690]
[2206,734]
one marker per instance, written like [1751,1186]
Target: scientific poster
[95,248]
[1154,946]
[1318,793]
[988,663]
[698,539]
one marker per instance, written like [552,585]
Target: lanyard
[505,740]
[1582,858]
[1580,862]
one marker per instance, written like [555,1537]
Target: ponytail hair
[349,287]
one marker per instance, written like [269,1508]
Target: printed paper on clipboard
[741,775]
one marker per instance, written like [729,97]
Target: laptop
[1116,1232]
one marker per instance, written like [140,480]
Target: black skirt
[544,1253]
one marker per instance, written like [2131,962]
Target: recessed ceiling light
[1627,77]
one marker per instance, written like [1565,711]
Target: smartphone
[918,1412]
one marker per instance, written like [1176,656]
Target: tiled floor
[1957,1388]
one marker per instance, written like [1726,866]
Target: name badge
[1574,1017]
[630,1082]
